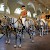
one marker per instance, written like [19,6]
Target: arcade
[24,25]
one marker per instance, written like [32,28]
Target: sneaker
[6,41]
[19,46]
[32,41]
[14,46]
[40,35]
[9,42]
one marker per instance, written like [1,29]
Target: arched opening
[2,9]
[18,11]
[28,13]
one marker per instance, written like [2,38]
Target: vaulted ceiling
[13,4]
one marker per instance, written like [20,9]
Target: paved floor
[41,43]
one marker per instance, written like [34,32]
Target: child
[18,33]
[32,32]
[8,34]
